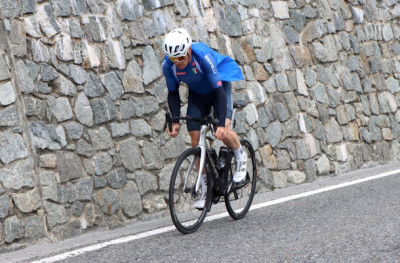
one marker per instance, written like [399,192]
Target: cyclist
[207,75]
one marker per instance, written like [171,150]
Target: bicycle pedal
[236,186]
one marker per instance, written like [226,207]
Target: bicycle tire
[239,201]
[182,197]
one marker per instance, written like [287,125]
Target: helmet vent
[177,43]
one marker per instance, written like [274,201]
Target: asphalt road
[356,223]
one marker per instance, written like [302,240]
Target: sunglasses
[178,58]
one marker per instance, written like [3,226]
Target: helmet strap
[190,54]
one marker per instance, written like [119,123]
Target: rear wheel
[238,200]
[183,195]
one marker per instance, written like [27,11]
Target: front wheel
[183,195]
[238,201]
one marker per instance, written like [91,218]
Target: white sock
[238,153]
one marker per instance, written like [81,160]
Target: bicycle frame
[203,147]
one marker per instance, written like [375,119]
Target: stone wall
[83,100]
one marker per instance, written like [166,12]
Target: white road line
[322,190]
[105,244]
[208,219]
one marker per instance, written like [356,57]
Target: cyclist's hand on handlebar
[220,133]
[175,130]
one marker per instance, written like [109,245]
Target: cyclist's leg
[195,137]
[232,140]
[197,108]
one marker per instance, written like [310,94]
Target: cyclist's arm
[174,101]
[221,98]
[211,71]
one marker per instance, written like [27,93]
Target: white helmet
[177,43]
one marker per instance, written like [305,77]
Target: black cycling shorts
[200,105]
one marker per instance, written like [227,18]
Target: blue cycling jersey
[204,75]
[204,72]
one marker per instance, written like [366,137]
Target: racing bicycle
[185,187]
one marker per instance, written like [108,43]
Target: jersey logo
[180,73]
[211,64]
[219,83]
[193,63]
[195,70]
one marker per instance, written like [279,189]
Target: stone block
[69,166]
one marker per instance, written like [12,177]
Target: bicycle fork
[201,168]
[203,149]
